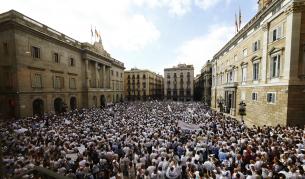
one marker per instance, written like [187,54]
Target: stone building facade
[263,65]
[179,83]
[203,84]
[143,85]
[43,70]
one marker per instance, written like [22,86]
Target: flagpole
[91,35]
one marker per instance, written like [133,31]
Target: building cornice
[27,24]
[251,24]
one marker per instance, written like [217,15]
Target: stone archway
[103,101]
[58,105]
[73,103]
[38,107]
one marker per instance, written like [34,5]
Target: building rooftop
[181,66]
[27,22]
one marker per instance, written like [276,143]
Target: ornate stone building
[263,65]
[143,85]
[179,83]
[203,84]
[43,70]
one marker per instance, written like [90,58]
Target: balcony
[231,85]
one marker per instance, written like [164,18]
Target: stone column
[104,76]
[87,73]
[97,75]
[292,47]
[264,53]
[109,77]
[236,74]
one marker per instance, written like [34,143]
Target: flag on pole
[236,23]
[96,33]
[239,25]
[91,32]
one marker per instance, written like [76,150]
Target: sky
[146,34]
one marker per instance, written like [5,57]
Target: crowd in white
[142,140]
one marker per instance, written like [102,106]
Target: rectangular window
[72,83]
[254,96]
[71,62]
[255,71]
[271,97]
[111,72]
[256,46]
[35,51]
[56,57]
[276,34]
[275,66]
[5,48]
[244,74]
[117,74]
[37,81]
[245,52]
[58,82]
[231,76]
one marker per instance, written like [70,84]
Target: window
[245,52]
[111,72]
[58,82]
[254,96]
[56,57]
[121,75]
[35,52]
[235,58]
[275,66]
[255,71]
[71,62]
[72,83]
[168,75]
[276,34]
[256,46]
[244,74]
[230,76]
[5,48]
[271,97]
[37,81]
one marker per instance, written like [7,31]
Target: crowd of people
[142,140]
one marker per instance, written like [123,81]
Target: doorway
[73,103]
[38,107]
[58,105]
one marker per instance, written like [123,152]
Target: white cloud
[179,7]
[120,28]
[206,4]
[200,49]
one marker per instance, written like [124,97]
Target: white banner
[186,126]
